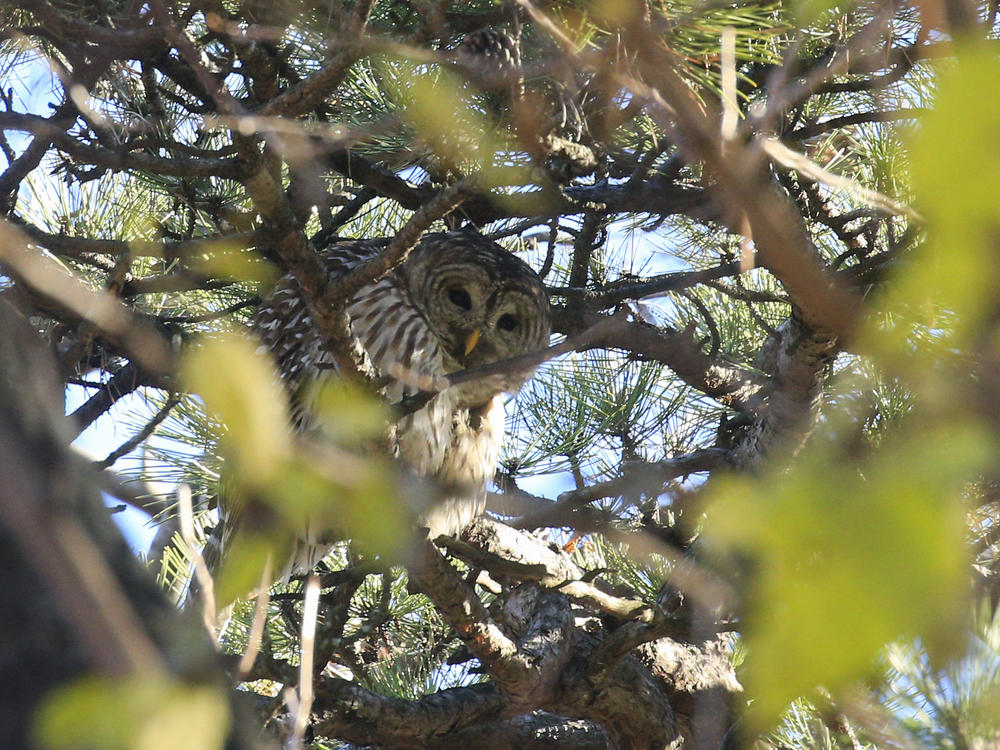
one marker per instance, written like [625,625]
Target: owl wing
[440,440]
[285,328]
[393,332]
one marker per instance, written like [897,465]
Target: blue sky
[100,439]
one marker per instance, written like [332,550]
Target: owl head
[483,303]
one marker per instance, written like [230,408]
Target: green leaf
[227,261]
[244,390]
[447,120]
[349,414]
[142,712]
[848,557]
[946,290]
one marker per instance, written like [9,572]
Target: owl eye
[460,298]
[507,322]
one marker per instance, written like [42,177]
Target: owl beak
[472,340]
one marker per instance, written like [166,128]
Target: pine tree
[750,500]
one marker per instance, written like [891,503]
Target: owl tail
[309,550]
[450,515]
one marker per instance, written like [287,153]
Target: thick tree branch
[730,384]
[466,614]
[347,711]
[535,731]
[132,334]
[122,383]
[76,604]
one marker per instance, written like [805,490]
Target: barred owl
[458,301]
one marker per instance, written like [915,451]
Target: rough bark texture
[75,600]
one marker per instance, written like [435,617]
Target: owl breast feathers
[458,301]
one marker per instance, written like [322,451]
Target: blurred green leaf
[956,175]
[449,122]
[357,496]
[247,555]
[143,712]
[348,414]
[227,261]
[814,12]
[848,557]
[243,389]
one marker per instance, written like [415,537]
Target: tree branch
[136,440]
[833,123]
[466,614]
[347,711]
[734,386]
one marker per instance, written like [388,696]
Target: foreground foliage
[752,500]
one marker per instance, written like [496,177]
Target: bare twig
[833,123]
[619,291]
[813,171]
[730,106]
[639,477]
[136,440]
[301,702]
[405,240]
[505,369]
[101,309]
[256,636]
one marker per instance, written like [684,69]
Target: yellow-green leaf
[945,289]
[848,557]
[142,712]
[242,387]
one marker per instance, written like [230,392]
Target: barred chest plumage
[455,445]
[458,301]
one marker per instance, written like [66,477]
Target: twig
[176,166]
[730,107]
[132,443]
[839,61]
[206,586]
[75,247]
[619,291]
[428,387]
[306,95]
[648,625]
[783,245]
[210,316]
[136,494]
[344,215]
[785,156]
[256,636]
[637,477]
[745,294]
[608,327]
[301,703]
[824,126]
[706,315]
[405,240]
